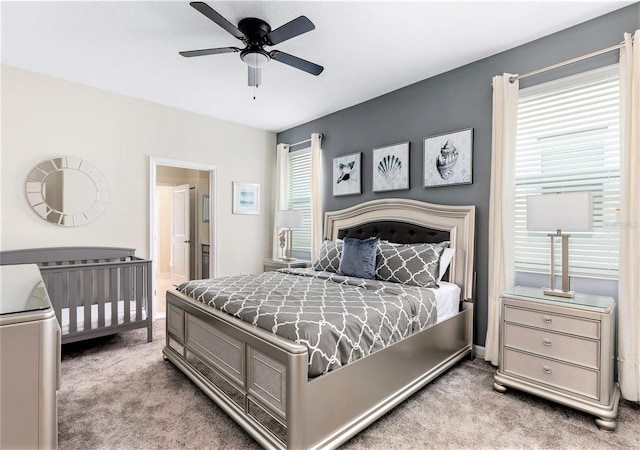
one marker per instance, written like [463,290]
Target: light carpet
[118,393]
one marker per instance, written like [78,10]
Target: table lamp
[287,219]
[569,211]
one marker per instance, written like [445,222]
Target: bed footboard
[248,372]
[95,291]
[261,380]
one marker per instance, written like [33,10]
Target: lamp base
[287,258]
[564,292]
[558,293]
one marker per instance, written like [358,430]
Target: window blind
[300,196]
[567,141]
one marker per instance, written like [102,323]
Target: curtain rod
[305,141]
[564,63]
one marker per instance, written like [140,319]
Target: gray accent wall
[458,99]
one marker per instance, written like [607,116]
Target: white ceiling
[367,49]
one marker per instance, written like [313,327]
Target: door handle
[546,342]
[187,241]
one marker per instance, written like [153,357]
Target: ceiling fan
[256,34]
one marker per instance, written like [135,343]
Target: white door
[180,235]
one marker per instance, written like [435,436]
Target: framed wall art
[246,198]
[346,174]
[448,159]
[391,167]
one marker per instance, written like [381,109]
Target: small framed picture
[448,159]
[391,167]
[246,198]
[346,174]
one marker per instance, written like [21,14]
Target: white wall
[44,117]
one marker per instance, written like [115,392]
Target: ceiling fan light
[255,58]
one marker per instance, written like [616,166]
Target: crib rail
[64,255]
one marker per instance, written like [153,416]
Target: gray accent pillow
[414,264]
[359,258]
[329,255]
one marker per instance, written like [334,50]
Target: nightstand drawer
[567,348]
[555,322]
[570,378]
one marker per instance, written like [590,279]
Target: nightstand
[273,264]
[561,349]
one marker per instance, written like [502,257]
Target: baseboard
[478,351]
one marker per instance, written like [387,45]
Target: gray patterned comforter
[340,319]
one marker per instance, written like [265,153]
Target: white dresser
[560,349]
[29,360]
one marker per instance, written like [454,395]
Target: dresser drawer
[555,374]
[554,322]
[545,343]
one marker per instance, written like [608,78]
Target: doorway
[182,226]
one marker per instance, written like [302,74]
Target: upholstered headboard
[411,221]
[394,231]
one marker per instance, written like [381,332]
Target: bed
[95,291]
[265,382]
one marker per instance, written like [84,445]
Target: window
[300,197]
[568,141]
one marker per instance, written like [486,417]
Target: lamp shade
[288,218]
[569,211]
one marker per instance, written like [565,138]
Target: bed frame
[83,281]
[260,379]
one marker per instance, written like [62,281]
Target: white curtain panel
[501,204]
[281,198]
[629,273]
[316,194]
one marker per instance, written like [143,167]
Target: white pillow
[445,260]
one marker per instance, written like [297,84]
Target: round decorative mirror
[67,191]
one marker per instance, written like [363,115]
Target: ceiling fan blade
[296,62]
[209,51]
[255,76]
[290,30]
[217,18]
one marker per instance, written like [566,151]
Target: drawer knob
[547,320]
[547,370]
[547,342]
